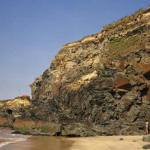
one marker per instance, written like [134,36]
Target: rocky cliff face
[16,105]
[12,109]
[101,83]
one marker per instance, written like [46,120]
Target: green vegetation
[124,44]
[23,130]
[43,129]
[37,129]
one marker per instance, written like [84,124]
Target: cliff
[99,85]
[15,104]
[12,109]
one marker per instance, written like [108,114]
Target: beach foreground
[84,143]
[108,143]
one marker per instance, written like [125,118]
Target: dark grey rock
[147,146]
[146,138]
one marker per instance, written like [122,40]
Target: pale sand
[108,143]
[84,143]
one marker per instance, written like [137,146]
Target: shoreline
[7,137]
[120,142]
[82,143]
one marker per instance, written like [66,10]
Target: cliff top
[17,102]
[117,26]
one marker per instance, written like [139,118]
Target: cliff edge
[99,85]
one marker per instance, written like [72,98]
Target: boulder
[146,138]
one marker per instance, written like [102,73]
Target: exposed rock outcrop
[12,109]
[99,85]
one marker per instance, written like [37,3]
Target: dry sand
[84,143]
[108,143]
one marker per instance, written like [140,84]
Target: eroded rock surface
[12,109]
[99,85]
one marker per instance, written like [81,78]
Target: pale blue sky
[32,32]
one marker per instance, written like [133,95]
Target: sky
[33,31]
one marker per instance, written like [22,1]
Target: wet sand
[40,143]
[10,141]
[90,143]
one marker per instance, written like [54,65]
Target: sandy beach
[9,141]
[108,143]
[86,143]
